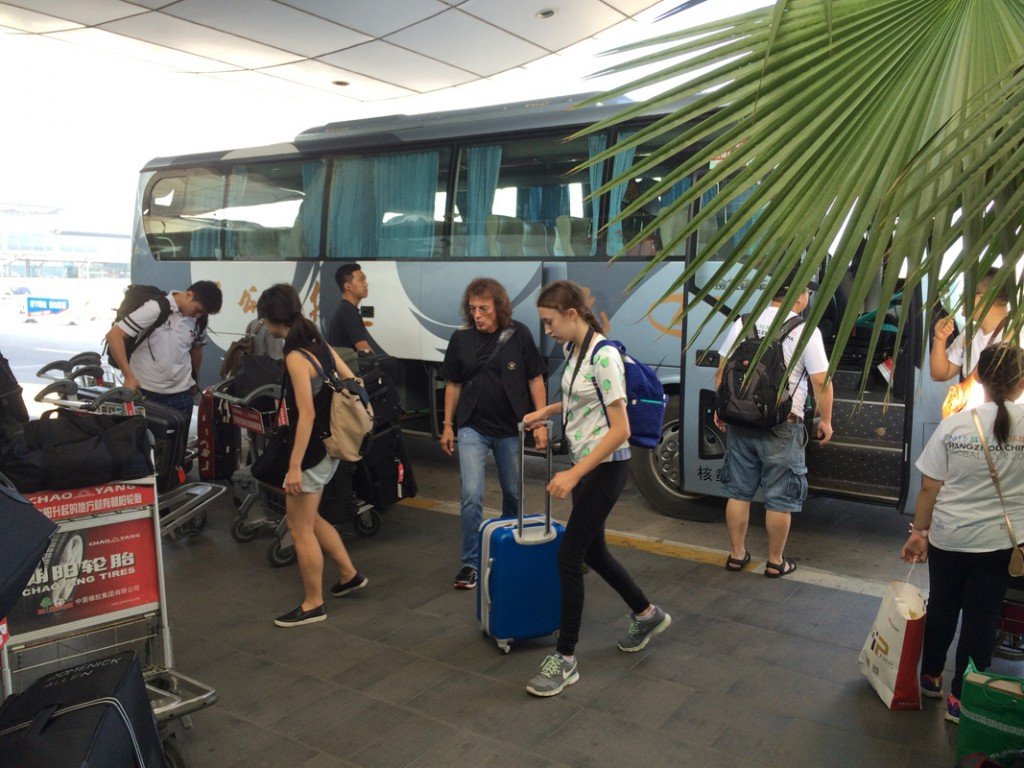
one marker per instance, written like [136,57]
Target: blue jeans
[473,450]
[179,401]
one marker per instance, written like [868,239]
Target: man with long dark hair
[493,376]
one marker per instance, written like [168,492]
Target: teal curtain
[483,164]
[598,144]
[352,225]
[405,187]
[622,163]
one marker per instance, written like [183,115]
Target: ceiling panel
[30,21]
[574,20]
[377,18]
[630,7]
[184,35]
[119,45]
[289,89]
[467,42]
[399,66]
[271,23]
[316,74]
[86,12]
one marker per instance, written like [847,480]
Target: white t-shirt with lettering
[967,515]
[586,423]
[813,360]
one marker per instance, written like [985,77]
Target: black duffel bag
[74,449]
[255,371]
[25,533]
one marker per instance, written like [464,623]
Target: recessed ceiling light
[547,13]
[340,83]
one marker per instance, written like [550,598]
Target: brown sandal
[736,564]
[777,570]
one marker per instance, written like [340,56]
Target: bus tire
[655,472]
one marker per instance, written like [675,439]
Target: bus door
[869,456]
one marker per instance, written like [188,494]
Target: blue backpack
[645,398]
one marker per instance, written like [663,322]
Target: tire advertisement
[97,568]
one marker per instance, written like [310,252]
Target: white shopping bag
[891,656]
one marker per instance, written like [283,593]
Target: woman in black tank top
[310,468]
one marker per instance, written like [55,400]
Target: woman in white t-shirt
[597,429]
[959,526]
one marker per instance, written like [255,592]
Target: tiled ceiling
[364,50]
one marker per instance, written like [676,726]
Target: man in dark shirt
[494,376]
[347,328]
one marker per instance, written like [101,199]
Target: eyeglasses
[481,310]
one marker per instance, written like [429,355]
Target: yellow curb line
[695,553]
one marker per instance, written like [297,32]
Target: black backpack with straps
[135,296]
[749,394]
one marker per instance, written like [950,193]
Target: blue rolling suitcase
[519,594]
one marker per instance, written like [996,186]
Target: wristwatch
[922,532]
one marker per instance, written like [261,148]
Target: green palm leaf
[863,135]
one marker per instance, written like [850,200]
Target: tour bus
[426,203]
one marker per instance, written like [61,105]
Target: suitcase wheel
[504,646]
[280,556]
[367,522]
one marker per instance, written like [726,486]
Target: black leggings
[972,582]
[592,501]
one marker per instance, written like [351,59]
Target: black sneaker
[298,617]
[356,582]
[466,578]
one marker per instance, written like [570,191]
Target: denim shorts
[316,477]
[770,458]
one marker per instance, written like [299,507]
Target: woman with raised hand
[959,527]
[308,401]
[597,428]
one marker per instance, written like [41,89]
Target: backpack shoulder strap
[607,343]
[161,318]
[789,326]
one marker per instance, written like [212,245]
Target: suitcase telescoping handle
[522,479]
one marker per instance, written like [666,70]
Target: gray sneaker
[642,630]
[555,674]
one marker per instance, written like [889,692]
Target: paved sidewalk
[752,672]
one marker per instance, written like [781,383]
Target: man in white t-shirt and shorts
[773,459]
[164,368]
[945,363]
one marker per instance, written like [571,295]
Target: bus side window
[572,236]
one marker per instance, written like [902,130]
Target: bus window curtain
[483,166]
[405,186]
[205,196]
[622,163]
[353,224]
[543,204]
[311,209]
[237,183]
[598,144]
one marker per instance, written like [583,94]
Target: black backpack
[749,395]
[134,297]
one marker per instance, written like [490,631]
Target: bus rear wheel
[656,474]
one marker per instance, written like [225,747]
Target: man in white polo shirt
[165,366]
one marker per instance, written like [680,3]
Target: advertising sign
[96,570]
[83,502]
[37,305]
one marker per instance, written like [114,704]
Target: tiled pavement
[752,672]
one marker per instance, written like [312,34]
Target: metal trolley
[261,507]
[99,590]
[182,508]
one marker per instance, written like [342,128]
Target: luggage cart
[1010,633]
[183,508]
[262,507]
[99,590]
